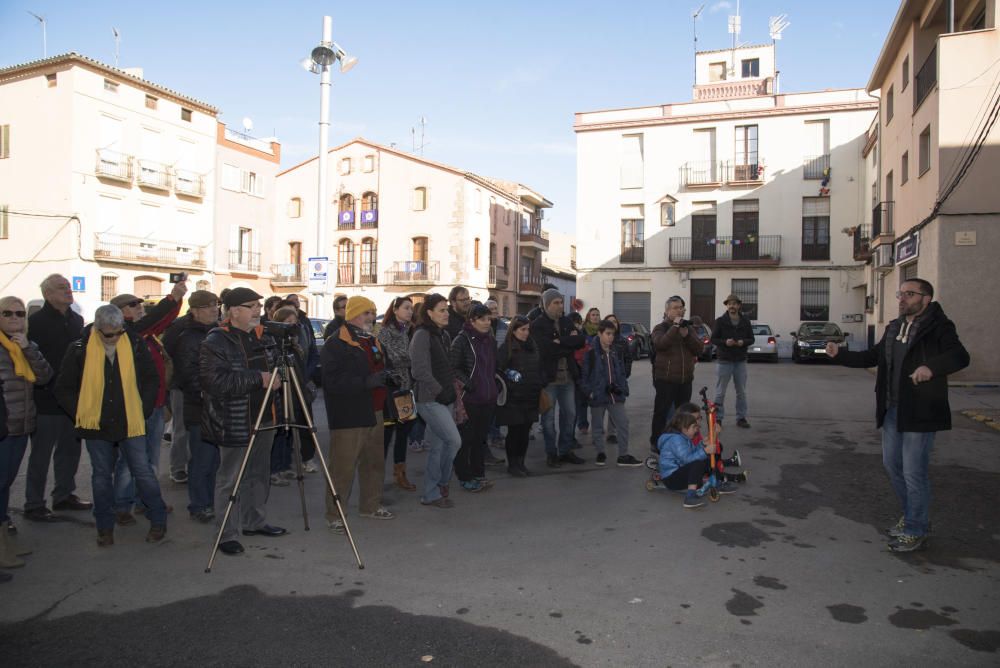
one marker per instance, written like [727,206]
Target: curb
[989,421]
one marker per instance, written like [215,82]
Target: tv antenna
[413,136]
[45,46]
[735,25]
[118,41]
[776,25]
[694,32]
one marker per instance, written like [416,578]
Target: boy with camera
[606,387]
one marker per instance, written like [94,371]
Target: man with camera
[235,368]
[354,379]
[677,349]
[731,336]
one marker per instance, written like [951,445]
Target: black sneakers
[602,459]
[628,460]
[571,458]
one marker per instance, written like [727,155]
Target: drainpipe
[951,16]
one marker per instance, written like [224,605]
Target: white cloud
[720,6]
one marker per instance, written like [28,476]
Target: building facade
[741,191]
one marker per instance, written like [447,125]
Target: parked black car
[639,339]
[809,343]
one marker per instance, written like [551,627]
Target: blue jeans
[906,456]
[102,463]
[443,441]
[738,372]
[417,431]
[202,467]
[562,396]
[11,453]
[281,452]
[125,496]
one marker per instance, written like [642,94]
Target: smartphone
[178,277]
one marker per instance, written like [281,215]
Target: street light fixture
[325,54]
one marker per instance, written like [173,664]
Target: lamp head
[347,63]
[308,65]
[323,55]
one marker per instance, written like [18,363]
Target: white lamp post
[319,62]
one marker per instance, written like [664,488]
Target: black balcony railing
[882,220]
[244,260]
[531,281]
[926,79]
[498,277]
[152,252]
[632,254]
[369,275]
[411,272]
[287,274]
[862,242]
[752,250]
[702,173]
[747,172]
[533,232]
[814,166]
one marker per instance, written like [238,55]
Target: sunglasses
[134,304]
[13,314]
[111,335]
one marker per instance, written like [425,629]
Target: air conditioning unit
[882,258]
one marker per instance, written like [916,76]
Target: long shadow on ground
[241,626]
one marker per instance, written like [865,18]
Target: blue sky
[497,82]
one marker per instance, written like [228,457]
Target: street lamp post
[319,61]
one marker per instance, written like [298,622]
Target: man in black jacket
[235,369]
[53,328]
[339,308]
[917,353]
[557,339]
[731,336]
[459,304]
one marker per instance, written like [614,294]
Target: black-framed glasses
[111,335]
[13,314]
[134,304]
[910,294]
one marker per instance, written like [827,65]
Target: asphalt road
[575,566]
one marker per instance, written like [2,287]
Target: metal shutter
[632,307]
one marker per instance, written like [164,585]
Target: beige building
[936,207]
[405,225]
[105,177]
[740,191]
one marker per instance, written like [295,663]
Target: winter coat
[346,366]
[725,329]
[474,358]
[544,330]
[430,366]
[396,344]
[676,451]
[933,343]
[675,354]
[3,415]
[169,341]
[455,324]
[522,397]
[114,420]
[601,370]
[53,332]
[187,352]
[620,346]
[149,327]
[232,385]
[18,393]
[332,327]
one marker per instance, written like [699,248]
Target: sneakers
[417,446]
[105,537]
[726,487]
[156,533]
[336,526]
[612,438]
[379,514]
[124,519]
[179,477]
[473,486]
[628,460]
[692,500]
[735,461]
[896,530]
[584,428]
[571,458]
[203,516]
[278,481]
[602,459]
[491,460]
[742,422]
[439,503]
[908,543]
[737,477]
[288,474]
[552,461]
[309,467]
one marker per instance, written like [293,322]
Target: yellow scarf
[91,398]
[21,366]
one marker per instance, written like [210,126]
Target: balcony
[287,275]
[244,261]
[152,174]
[862,243]
[369,275]
[632,254]
[147,252]
[498,277]
[531,282]
[113,165]
[725,90]
[925,80]
[188,183]
[345,220]
[814,166]
[369,219]
[413,272]
[703,174]
[882,223]
[532,234]
[748,173]
[762,251]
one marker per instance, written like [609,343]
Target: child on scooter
[682,463]
[720,463]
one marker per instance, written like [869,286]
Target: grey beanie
[551,294]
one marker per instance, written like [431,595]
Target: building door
[632,307]
[295,253]
[703,300]
[703,231]
[746,223]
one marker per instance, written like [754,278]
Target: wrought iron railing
[153,252]
[287,274]
[704,172]
[926,79]
[750,250]
[244,260]
[113,165]
[814,166]
[413,271]
[153,174]
[863,242]
[498,277]
[882,219]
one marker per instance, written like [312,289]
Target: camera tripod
[285,370]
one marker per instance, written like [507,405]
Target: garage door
[632,307]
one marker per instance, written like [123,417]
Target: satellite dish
[247,124]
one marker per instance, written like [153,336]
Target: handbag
[400,406]
[544,402]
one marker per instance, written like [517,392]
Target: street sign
[79,284]
[319,268]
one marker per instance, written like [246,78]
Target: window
[420,249]
[668,212]
[906,73]
[888,106]
[703,224]
[295,207]
[746,153]
[109,287]
[814,299]
[147,286]
[633,244]
[345,166]
[420,199]
[717,71]
[746,224]
[369,201]
[50,80]
[746,290]
[345,262]
[631,165]
[369,261]
[368,164]
[110,86]
[815,228]
[4,141]
[345,208]
[751,68]
[232,178]
[925,150]
[475,254]
[506,257]
[904,168]
[493,254]
[151,102]
[4,222]
[908,272]
[185,114]
[244,246]
[252,183]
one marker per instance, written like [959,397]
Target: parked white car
[765,344]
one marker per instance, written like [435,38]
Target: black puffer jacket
[18,393]
[114,420]
[232,385]
[723,330]
[522,397]
[545,330]
[186,353]
[53,332]
[169,341]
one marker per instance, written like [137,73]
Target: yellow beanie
[358,305]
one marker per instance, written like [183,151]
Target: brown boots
[399,473]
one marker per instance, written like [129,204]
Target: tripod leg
[297,456]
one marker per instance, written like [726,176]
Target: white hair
[49,284]
[108,316]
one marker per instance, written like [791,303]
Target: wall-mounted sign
[79,284]
[908,248]
[967,238]
[318,275]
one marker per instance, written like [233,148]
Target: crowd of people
[444,374]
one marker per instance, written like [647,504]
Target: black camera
[178,276]
[684,323]
[281,330]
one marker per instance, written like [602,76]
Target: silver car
[765,344]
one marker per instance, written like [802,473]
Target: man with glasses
[917,353]
[235,367]
[53,328]
[339,309]
[677,348]
[459,304]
